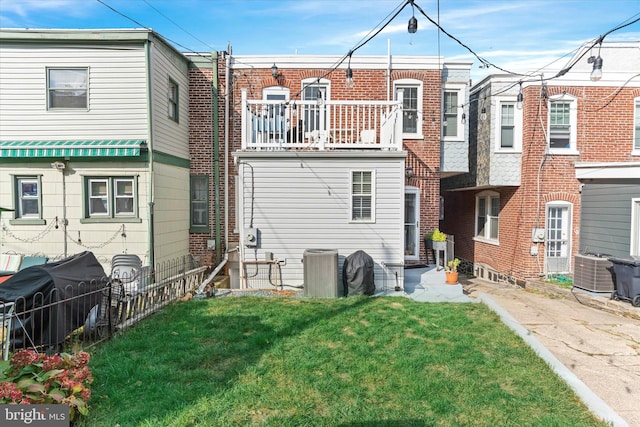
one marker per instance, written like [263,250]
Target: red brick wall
[604,134]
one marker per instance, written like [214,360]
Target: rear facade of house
[93,144]
[314,164]
[555,179]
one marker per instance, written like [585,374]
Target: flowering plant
[35,378]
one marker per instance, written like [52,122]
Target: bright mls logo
[34,415]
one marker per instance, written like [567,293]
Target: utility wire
[177,25]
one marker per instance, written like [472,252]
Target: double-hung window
[362,196]
[29,197]
[173,101]
[450,114]
[487,213]
[199,201]
[411,106]
[636,125]
[507,125]
[111,197]
[67,88]
[562,125]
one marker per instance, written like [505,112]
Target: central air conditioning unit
[321,273]
[593,273]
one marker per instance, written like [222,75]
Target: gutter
[216,151]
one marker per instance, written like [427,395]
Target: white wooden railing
[324,125]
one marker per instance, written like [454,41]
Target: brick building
[556,177]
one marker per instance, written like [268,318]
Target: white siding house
[93,144]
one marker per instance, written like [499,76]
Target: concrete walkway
[591,342]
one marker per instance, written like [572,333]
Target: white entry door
[558,238]
[411,223]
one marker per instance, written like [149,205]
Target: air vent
[592,273]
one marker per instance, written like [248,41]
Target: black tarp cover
[73,282]
[357,274]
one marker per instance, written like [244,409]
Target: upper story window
[173,101]
[562,124]
[317,91]
[508,127]
[453,97]
[450,114]
[67,88]
[411,106]
[111,197]
[636,125]
[487,213]
[29,197]
[362,196]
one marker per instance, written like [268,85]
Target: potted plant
[435,240]
[451,271]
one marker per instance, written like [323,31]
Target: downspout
[226,147]
[216,151]
[150,197]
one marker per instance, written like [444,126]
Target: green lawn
[326,362]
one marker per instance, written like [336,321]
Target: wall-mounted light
[463,118]
[483,114]
[61,166]
[274,71]
[408,172]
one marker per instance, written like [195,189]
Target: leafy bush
[436,235]
[35,378]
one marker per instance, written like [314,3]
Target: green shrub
[35,378]
[436,235]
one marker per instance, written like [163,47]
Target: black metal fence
[75,316]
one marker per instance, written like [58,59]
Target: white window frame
[635,227]
[28,179]
[486,198]
[517,125]
[325,88]
[573,124]
[461,89]
[419,86]
[68,87]
[371,195]
[173,100]
[636,127]
[110,198]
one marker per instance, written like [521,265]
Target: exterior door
[411,223]
[558,238]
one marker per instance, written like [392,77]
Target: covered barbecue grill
[52,300]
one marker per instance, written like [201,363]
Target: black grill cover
[71,285]
[357,274]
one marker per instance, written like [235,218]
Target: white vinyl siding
[302,201]
[117,107]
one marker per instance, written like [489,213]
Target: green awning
[87,148]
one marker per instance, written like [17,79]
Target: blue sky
[516,35]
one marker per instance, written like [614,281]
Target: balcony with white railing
[321,125]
